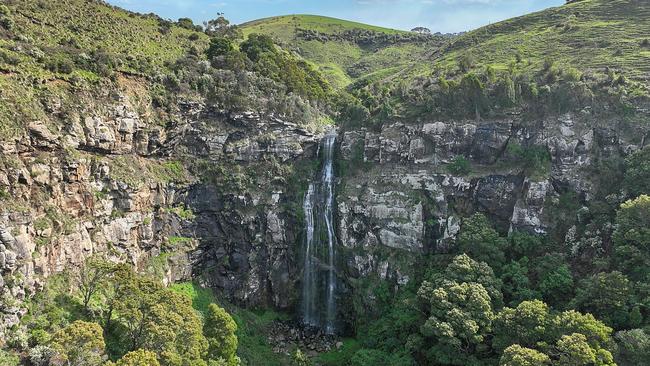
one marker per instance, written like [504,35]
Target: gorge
[413,199]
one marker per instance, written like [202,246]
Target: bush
[8,358]
[459,166]
[534,160]
[8,58]
[60,64]
[5,21]
[219,47]
[256,45]
[466,62]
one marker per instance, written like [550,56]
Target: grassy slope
[334,59]
[91,25]
[284,25]
[591,34]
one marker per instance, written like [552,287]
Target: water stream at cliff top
[319,273]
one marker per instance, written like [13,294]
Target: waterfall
[309,274]
[319,273]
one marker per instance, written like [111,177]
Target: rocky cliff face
[399,200]
[107,175]
[194,192]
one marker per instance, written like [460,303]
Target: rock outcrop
[400,200]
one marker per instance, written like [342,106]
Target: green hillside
[345,51]
[67,27]
[591,54]
[283,26]
[589,34]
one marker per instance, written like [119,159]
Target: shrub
[60,64]
[572,74]
[6,22]
[219,47]
[186,23]
[466,62]
[8,58]
[459,166]
[548,64]
[8,358]
[256,44]
[535,160]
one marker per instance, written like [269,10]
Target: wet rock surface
[285,337]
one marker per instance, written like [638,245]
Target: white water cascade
[319,274]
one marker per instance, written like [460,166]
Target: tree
[636,180]
[554,279]
[517,355]
[220,27]
[219,329]
[187,23]
[256,45]
[516,284]
[632,238]
[574,350]
[473,91]
[122,282]
[80,343]
[161,320]
[597,333]
[568,338]
[606,296]
[421,30]
[525,325]
[139,357]
[459,310]
[465,269]
[633,347]
[459,318]
[92,277]
[371,357]
[480,241]
[219,47]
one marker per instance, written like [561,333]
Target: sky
[438,15]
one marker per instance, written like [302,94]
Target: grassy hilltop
[589,34]
[345,51]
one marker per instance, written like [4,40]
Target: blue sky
[438,15]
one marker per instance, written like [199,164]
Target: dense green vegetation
[107,312]
[522,301]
